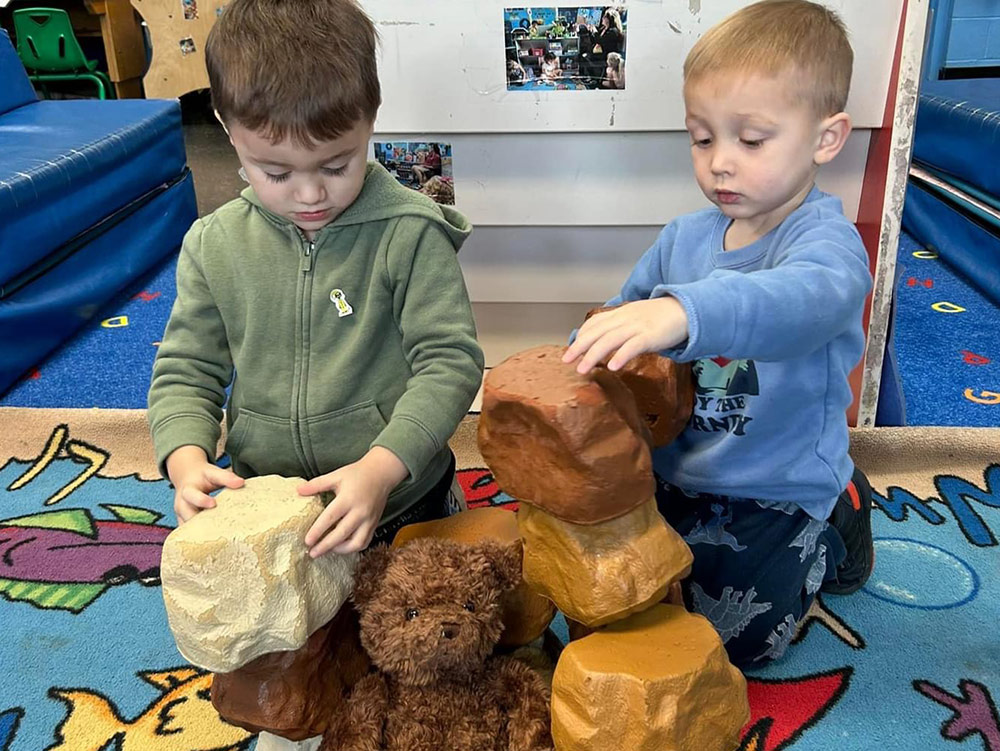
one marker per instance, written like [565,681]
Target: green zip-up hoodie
[362,338]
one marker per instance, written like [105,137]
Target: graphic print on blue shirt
[722,388]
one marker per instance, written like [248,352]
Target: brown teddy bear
[430,616]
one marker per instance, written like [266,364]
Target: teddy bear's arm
[358,724]
[526,698]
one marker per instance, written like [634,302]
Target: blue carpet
[946,342]
[108,363]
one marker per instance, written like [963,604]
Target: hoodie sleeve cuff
[411,442]
[185,430]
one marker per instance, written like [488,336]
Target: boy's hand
[194,477]
[349,520]
[628,331]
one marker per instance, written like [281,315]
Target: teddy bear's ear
[369,573]
[505,560]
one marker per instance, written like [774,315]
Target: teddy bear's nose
[449,630]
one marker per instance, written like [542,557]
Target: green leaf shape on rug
[132,514]
[71,597]
[68,520]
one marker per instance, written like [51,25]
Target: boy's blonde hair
[300,68]
[777,36]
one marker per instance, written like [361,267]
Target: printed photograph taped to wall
[425,166]
[577,47]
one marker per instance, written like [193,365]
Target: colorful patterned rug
[910,662]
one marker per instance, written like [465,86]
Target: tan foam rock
[526,614]
[573,445]
[238,581]
[657,681]
[663,391]
[599,573]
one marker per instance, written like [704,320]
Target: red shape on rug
[971,358]
[146,296]
[913,282]
[781,710]
[33,375]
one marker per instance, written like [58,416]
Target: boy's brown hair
[777,36]
[299,68]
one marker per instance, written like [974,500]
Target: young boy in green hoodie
[327,295]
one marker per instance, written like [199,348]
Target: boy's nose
[310,193]
[721,163]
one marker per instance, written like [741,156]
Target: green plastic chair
[50,51]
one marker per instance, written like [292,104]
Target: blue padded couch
[953,198]
[93,194]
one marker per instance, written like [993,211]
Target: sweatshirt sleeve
[434,315]
[193,365]
[814,291]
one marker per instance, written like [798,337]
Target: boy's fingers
[319,485]
[631,349]
[345,528]
[598,351]
[195,497]
[357,542]
[224,477]
[332,516]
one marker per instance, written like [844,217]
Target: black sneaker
[852,518]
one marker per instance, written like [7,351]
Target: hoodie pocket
[342,436]
[263,445]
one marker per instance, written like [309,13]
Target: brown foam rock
[526,614]
[293,694]
[663,391]
[570,444]
[657,681]
[599,573]
[238,581]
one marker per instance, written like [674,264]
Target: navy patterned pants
[757,567]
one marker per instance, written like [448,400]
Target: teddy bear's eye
[412,613]
[470,606]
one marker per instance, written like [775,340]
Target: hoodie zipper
[302,344]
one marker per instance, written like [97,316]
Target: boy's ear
[834,131]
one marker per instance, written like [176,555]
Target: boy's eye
[752,143]
[335,171]
[278,178]
[702,143]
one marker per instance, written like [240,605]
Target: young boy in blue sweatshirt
[764,293]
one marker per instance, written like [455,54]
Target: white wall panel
[442,67]
[601,179]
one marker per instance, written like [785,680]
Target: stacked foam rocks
[245,601]
[575,450]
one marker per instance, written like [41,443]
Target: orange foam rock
[663,391]
[294,693]
[658,681]
[526,614]
[572,445]
[599,573]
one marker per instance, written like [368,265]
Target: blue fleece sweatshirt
[774,330]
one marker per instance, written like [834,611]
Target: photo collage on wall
[565,48]
[425,166]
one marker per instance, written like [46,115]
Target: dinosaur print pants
[757,567]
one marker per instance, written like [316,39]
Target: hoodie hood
[382,197]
